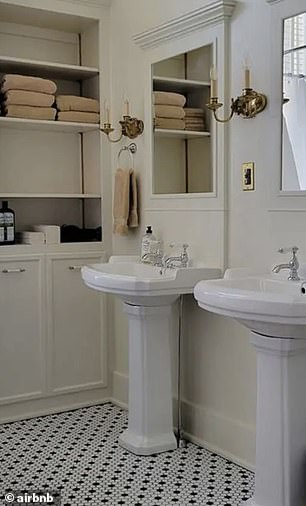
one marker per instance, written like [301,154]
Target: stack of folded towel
[79,109]
[27,97]
[194,119]
[168,110]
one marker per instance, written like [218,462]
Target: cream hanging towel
[125,211]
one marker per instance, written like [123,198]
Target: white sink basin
[267,304]
[142,284]
[274,309]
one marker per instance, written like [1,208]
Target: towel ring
[131,148]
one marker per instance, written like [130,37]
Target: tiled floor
[77,454]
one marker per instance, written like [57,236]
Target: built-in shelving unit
[46,69]
[182,158]
[46,125]
[178,85]
[180,134]
[51,170]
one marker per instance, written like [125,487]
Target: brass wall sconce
[247,105]
[130,127]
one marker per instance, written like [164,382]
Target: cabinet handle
[75,267]
[9,271]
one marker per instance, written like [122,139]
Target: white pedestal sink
[148,294]
[275,311]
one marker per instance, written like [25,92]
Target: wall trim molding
[273,1]
[89,3]
[215,12]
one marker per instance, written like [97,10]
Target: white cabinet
[75,337]
[22,331]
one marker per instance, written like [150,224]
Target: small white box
[52,233]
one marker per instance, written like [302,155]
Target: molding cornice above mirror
[215,12]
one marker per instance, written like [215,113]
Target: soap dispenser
[7,225]
[146,244]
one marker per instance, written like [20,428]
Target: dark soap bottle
[7,224]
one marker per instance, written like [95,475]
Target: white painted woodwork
[75,338]
[178,85]
[13,65]
[39,125]
[22,330]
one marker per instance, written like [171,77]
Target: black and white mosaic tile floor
[77,454]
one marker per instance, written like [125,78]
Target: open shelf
[50,196]
[183,134]
[47,125]
[46,69]
[177,85]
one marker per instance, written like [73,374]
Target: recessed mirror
[183,161]
[294,104]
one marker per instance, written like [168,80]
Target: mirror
[183,161]
[294,104]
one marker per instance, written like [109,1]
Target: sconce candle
[247,78]
[126,111]
[213,82]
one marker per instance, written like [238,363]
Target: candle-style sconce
[130,127]
[247,105]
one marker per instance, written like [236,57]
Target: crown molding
[90,3]
[213,13]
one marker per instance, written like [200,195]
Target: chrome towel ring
[132,149]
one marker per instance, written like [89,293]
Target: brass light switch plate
[248,181]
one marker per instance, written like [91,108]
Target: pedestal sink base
[280,478]
[136,444]
[150,425]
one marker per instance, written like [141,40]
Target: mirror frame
[205,26]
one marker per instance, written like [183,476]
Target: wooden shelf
[183,134]
[46,69]
[46,125]
[50,196]
[177,85]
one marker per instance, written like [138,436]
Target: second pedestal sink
[148,293]
[274,309]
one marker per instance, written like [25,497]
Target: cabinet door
[22,349]
[75,336]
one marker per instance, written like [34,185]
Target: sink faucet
[292,265]
[180,260]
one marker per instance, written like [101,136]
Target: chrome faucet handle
[293,250]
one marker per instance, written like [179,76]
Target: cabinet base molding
[50,405]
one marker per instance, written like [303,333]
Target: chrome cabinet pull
[75,267]
[9,271]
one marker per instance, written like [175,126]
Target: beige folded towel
[194,112]
[75,103]
[169,111]
[133,207]
[168,98]
[125,212]
[195,128]
[79,117]
[28,112]
[29,83]
[170,124]
[194,122]
[34,98]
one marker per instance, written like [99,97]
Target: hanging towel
[28,112]
[29,83]
[133,209]
[33,98]
[125,211]
[168,98]
[169,111]
[79,117]
[75,103]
